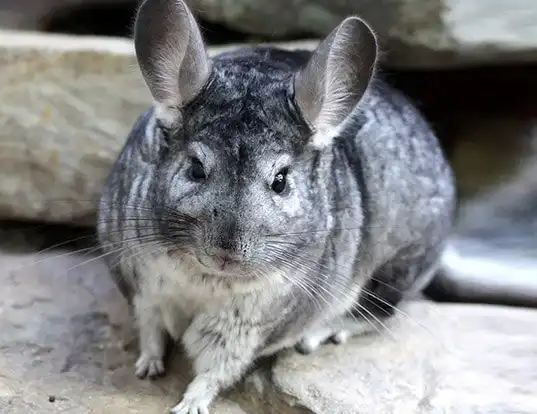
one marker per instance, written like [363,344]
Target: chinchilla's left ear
[336,77]
[171,54]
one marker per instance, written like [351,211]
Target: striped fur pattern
[235,270]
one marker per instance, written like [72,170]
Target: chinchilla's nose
[226,232]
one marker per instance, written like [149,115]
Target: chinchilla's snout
[226,244]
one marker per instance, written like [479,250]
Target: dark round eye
[280,181]
[197,172]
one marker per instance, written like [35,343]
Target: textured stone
[447,359]
[67,104]
[415,33]
[66,336]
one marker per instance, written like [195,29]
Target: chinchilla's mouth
[228,268]
[221,266]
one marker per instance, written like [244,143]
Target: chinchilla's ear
[336,77]
[171,55]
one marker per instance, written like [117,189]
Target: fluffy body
[363,223]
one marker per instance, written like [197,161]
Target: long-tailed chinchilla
[270,199]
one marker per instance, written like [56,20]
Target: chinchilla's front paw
[149,366]
[192,405]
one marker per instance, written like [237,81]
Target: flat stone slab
[474,359]
[66,337]
[414,33]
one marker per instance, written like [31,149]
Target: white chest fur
[177,288]
[176,280]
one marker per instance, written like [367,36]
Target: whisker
[327,230]
[86,250]
[105,254]
[396,309]
[122,260]
[360,309]
[324,290]
[303,285]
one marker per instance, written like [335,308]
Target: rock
[67,344]
[415,33]
[68,104]
[447,359]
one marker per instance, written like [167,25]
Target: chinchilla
[269,199]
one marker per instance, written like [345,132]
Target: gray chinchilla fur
[269,199]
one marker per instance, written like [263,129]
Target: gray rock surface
[66,337]
[416,33]
[66,106]
[449,359]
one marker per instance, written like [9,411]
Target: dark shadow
[29,237]
[96,19]
[118,20]
[449,97]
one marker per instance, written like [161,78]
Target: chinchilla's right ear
[336,78]
[171,54]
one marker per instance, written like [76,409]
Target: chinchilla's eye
[197,172]
[280,181]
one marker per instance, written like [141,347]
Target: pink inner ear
[337,75]
[170,50]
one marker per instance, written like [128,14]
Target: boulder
[433,359]
[67,344]
[415,33]
[67,104]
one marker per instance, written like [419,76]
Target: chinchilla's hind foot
[338,333]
